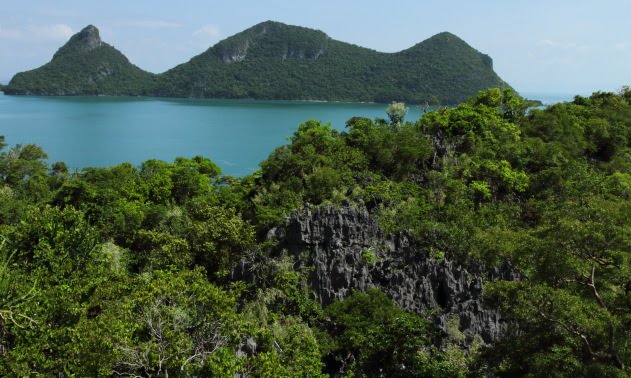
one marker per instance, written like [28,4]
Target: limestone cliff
[343,249]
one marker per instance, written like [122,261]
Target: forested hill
[85,65]
[272,60]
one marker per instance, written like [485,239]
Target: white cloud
[38,33]
[154,24]
[207,32]
[10,33]
[584,49]
[621,46]
[564,47]
[57,32]
[548,42]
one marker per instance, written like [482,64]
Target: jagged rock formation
[348,251]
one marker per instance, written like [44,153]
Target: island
[273,61]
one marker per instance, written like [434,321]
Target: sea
[105,131]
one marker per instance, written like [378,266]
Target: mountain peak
[443,43]
[265,26]
[85,65]
[445,35]
[85,40]
[272,39]
[444,39]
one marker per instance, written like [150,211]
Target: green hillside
[85,65]
[277,61]
[272,60]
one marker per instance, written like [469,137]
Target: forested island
[272,61]
[487,239]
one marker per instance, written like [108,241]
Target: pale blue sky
[553,46]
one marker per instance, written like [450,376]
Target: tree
[21,163]
[396,112]
[12,300]
[174,323]
[61,266]
[574,306]
[371,337]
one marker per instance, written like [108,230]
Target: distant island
[272,61]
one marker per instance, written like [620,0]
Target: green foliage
[371,337]
[131,270]
[288,349]
[396,112]
[369,256]
[316,164]
[172,323]
[217,237]
[191,177]
[60,261]
[23,169]
[12,301]
[278,318]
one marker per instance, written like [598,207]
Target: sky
[552,47]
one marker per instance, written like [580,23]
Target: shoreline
[143,97]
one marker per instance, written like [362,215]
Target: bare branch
[592,284]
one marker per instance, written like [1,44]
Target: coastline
[168,98]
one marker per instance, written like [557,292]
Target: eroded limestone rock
[342,249]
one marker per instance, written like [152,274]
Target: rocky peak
[271,39]
[266,26]
[87,39]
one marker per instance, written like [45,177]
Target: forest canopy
[128,271]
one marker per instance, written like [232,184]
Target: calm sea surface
[551,98]
[105,131]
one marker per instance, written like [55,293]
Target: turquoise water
[550,98]
[105,131]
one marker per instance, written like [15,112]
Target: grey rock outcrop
[343,249]
[87,39]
